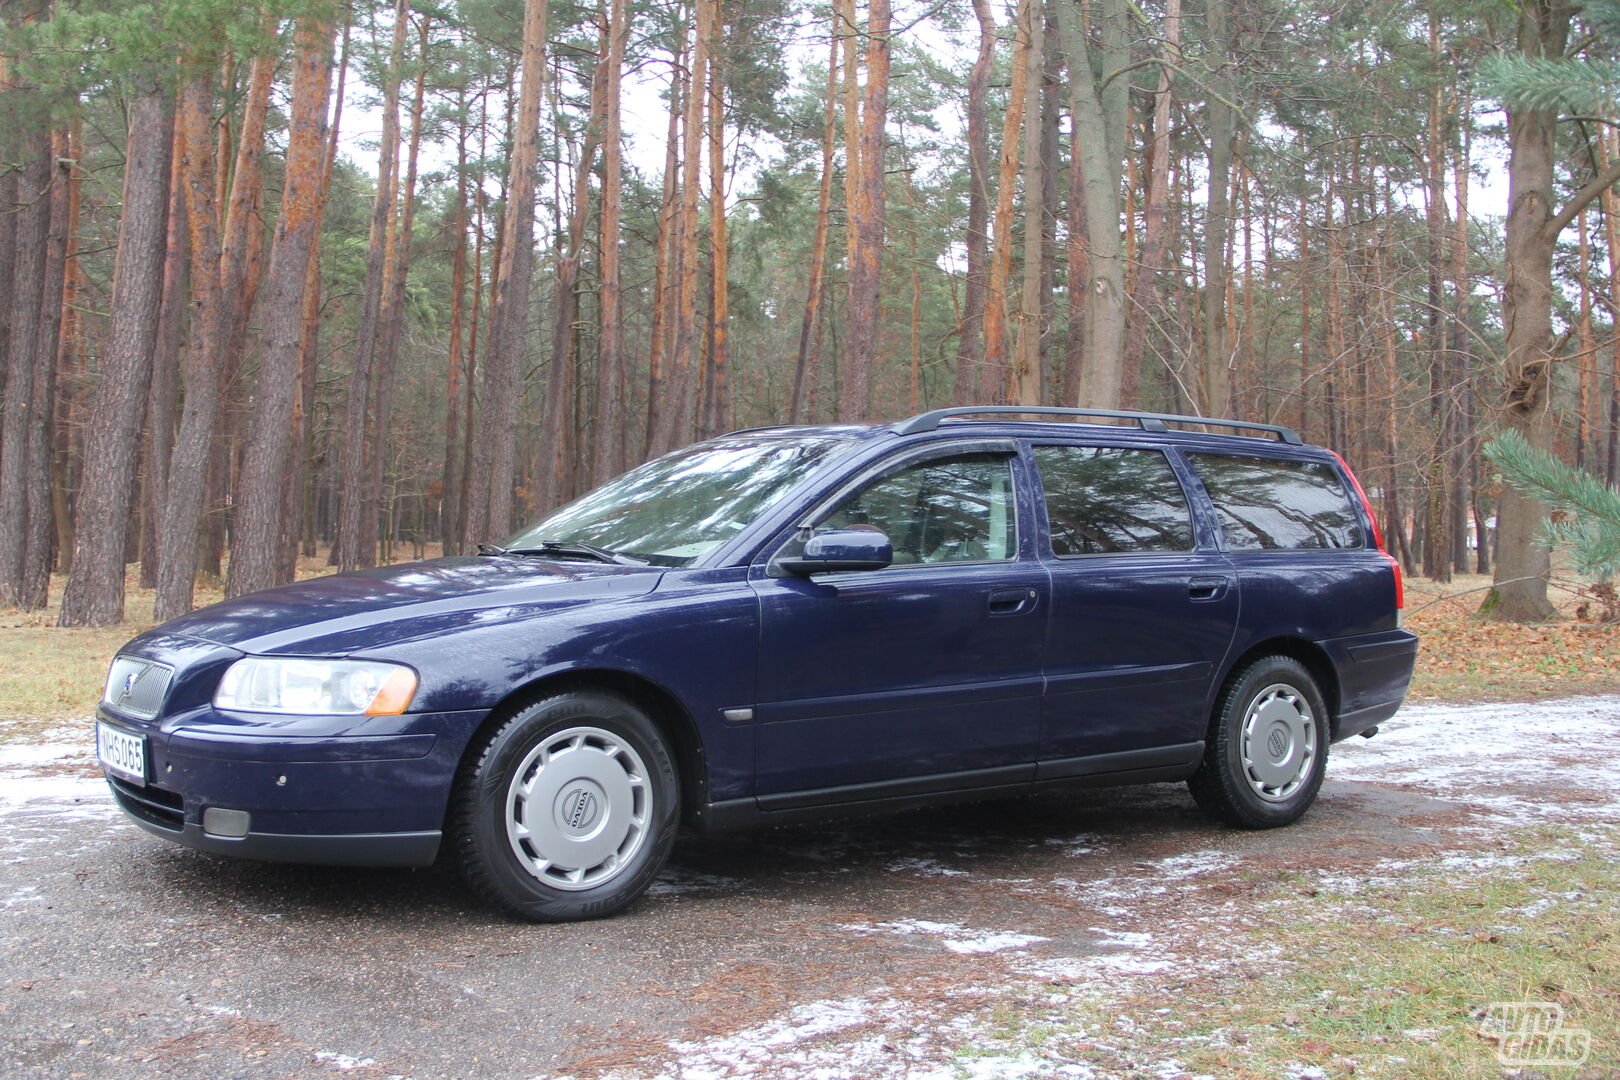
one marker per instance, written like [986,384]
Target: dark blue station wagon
[780,624]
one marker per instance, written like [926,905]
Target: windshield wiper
[566,548]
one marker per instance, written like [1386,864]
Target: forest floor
[1455,882]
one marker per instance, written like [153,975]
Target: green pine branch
[1590,528]
[1566,86]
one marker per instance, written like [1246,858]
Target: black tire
[1235,792]
[525,871]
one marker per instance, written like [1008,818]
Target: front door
[875,683]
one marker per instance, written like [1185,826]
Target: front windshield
[672,510]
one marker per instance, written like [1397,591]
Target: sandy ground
[892,947]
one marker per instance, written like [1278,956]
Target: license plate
[121,753]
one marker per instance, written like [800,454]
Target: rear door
[1143,609]
[923,675]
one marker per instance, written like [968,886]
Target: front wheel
[1267,751]
[568,809]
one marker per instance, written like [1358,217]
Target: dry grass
[1464,658]
[1396,980]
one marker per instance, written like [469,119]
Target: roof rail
[930,421]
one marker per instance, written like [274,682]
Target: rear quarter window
[1266,504]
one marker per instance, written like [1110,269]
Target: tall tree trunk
[1607,144]
[466,498]
[658,336]
[556,451]
[38,553]
[239,261]
[609,417]
[867,224]
[255,562]
[188,467]
[25,297]
[490,480]
[1098,99]
[391,321]
[1024,382]
[1587,356]
[675,415]
[1051,137]
[69,359]
[94,595]
[993,383]
[1077,268]
[1437,548]
[970,341]
[163,391]
[1522,564]
[1462,448]
[1145,274]
[1222,120]
[450,477]
[349,551]
[809,339]
[298,535]
[719,288]
[8,236]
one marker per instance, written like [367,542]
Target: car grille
[162,808]
[137,687]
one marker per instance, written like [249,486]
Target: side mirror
[841,549]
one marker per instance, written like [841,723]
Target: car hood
[369,609]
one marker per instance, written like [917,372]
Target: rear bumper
[357,849]
[1374,671]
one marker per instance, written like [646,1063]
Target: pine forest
[359,281]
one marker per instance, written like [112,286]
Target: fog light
[230,824]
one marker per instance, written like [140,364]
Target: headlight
[318,687]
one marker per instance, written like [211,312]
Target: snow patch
[925,867]
[954,936]
[54,773]
[1503,758]
[768,1047]
[342,1062]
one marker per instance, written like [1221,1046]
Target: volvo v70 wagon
[782,624]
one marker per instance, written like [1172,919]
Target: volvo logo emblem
[580,809]
[1277,742]
[131,681]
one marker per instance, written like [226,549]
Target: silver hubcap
[577,808]
[1279,742]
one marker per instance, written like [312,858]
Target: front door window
[947,510]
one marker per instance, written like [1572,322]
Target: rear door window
[1111,500]
[1265,504]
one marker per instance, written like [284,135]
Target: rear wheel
[1267,751]
[568,809]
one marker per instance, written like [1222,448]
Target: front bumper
[356,849]
[353,791]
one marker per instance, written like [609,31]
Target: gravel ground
[877,948]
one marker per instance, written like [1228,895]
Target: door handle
[1207,588]
[1012,601]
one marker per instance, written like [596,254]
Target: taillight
[1366,503]
[1400,582]
[1378,537]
